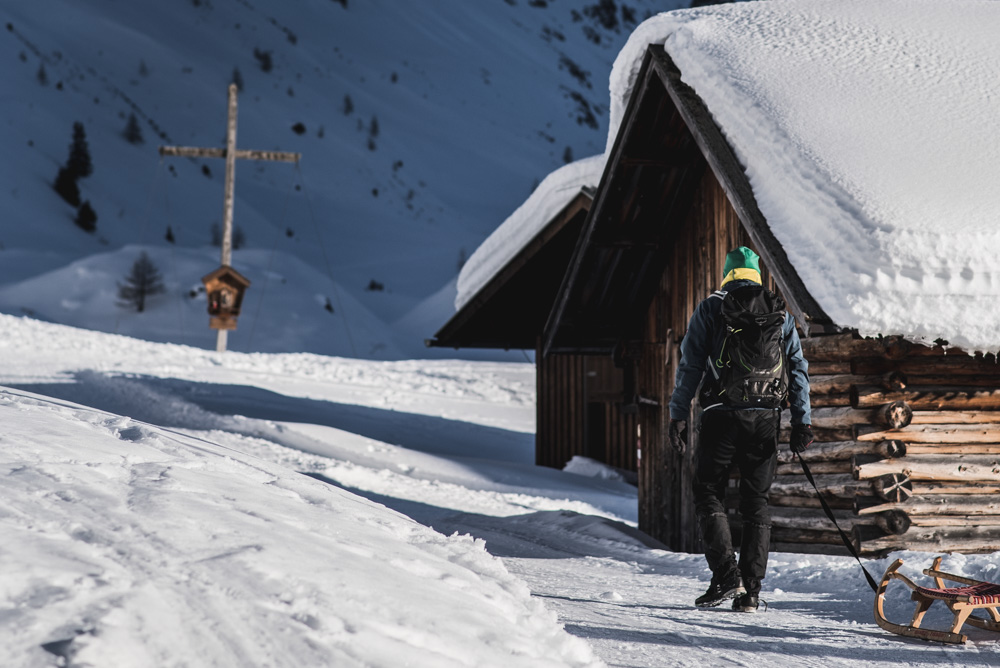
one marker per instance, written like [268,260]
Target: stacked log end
[907,450]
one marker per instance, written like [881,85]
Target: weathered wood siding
[580,412]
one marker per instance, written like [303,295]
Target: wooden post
[227,201]
[230,153]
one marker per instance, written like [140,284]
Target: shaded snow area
[869,133]
[327,319]
[164,506]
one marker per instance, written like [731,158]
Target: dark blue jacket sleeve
[798,375]
[695,349]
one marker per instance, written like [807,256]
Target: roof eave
[450,335]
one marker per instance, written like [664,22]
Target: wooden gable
[666,141]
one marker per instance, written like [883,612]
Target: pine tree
[170,235]
[86,217]
[372,133]
[237,79]
[132,131]
[79,163]
[42,75]
[77,166]
[66,186]
[142,281]
[263,59]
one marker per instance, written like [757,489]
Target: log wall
[908,450]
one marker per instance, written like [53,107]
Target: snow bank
[130,545]
[591,468]
[551,195]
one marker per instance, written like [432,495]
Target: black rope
[173,253]
[829,513]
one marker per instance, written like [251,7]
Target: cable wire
[326,259]
[270,263]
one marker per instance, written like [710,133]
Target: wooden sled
[960,600]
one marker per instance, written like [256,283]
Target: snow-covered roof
[551,195]
[870,134]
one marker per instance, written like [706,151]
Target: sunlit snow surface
[164,506]
[870,132]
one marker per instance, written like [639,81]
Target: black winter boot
[722,588]
[746,602]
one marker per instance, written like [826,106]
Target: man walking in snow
[742,336]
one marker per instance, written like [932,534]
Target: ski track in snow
[126,568]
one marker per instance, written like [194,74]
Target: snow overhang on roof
[869,133]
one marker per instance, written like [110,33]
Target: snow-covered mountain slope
[421,126]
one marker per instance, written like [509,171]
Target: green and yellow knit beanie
[741,263]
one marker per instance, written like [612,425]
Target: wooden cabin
[908,436]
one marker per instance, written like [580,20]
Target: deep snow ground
[446,443]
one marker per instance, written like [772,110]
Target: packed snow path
[634,606]
[447,444]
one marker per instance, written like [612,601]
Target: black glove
[678,434]
[802,436]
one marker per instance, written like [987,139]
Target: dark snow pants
[748,438]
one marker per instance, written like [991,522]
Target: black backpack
[750,370]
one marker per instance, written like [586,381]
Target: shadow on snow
[181,404]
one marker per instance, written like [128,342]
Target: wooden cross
[230,153]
